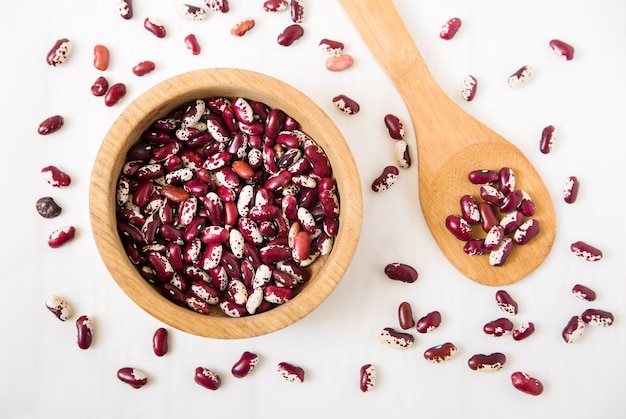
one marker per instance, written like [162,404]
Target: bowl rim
[228,82]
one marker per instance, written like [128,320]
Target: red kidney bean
[84,330]
[428,322]
[397,340]
[562,49]
[494,237]
[521,76]
[155,27]
[395,127]
[125,8]
[245,364]
[450,28]
[570,192]
[217,5]
[487,216]
[291,372]
[403,158]
[595,317]
[59,307]
[275,5]
[474,247]
[461,229]
[60,236]
[440,353]
[387,178]
[487,363]
[346,104]
[207,378]
[50,125]
[483,177]
[401,272]
[339,62]
[405,315]
[242,27]
[297,10]
[583,292]
[100,86]
[573,330]
[586,251]
[526,384]
[101,57]
[192,44]
[505,302]
[59,52]
[47,207]
[160,344]
[331,47]
[498,256]
[144,67]
[191,12]
[367,377]
[468,89]
[290,35]
[548,135]
[115,93]
[132,376]
[498,327]
[523,331]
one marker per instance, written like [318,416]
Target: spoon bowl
[450,144]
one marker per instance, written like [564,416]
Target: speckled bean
[59,307]
[562,49]
[506,303]
[367,377]
[526,231]
[125,8]
[460,228]
[244,366]
[498,327]
[155,27]
[331,47]
[386,180]
[59,52]
[596,317]
[132,376]
[60,236]
[548,136]
[297,10]
[573,330]
[450,28]
[523,330]
[84,332]
[346,105]
[521,76]
[428,322]
[403,157]
[397,340]
[487,363]
[586,251]
[440,353]
[498,257]
[273,6]
[395,127]
[207,378]
[570,191]
[192,12]
[290,372]
[469,87]
[583,292]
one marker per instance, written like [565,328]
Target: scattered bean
[101,57]
[59,307]
[132,376]
[192,44]
[570,192]
[367,377]
[331,47]
[397,340]
[297,10]
[144,67]
[242,27]
[55,177]
[469,209]
[586,251]
[217,5]
[526,231]
[487,363]
[468,90]
[339,62]
[207,378]
[403,158]
[275,5]
[405,315]
[84,330]
[60,236]
[290,35]
[401,272]
[595,317]
[191,12]
[523,331]
[521,76]
[386,180]
[498,256]
[494,237]
[498,327]
[562,49]
[428,322]
[526,384]
[125,8]
[395,127]
[290,372]
[100,86]
[160,344]
[59,52]
[573,330]
[548,135]
[115,93]
[245,364]
[50,124]
[505,302]
[155,27]
[450,28]
[346,105]
[440,353]
[583,292]
[47,207]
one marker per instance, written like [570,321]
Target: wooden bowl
[326,272]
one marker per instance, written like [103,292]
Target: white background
[44,374]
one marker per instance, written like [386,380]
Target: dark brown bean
[47,207]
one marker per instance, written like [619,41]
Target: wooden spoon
[450,144]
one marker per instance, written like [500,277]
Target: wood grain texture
[158,101]
[450,144]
